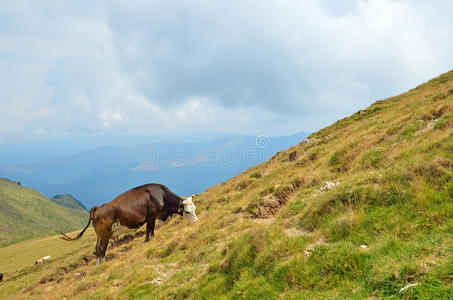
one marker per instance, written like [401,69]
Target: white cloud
[161,66]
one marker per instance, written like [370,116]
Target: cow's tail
[67,238]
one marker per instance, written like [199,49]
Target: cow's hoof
[146,240]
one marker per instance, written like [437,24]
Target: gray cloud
[248,66]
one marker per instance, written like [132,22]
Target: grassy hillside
[278,231]
[25,213]
[68,201]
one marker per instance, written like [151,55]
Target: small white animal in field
[42,259]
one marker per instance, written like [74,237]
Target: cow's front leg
[150,227]
[98,250]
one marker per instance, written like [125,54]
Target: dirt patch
[156,280]
[437,113]
[164,271]
[58,275]
[87,258]
[429,126]
[111,256]
[84,260]
[265,221]
[292,156]
[126,239]
[125,248]
[267,205]
[295,232]
[80,275]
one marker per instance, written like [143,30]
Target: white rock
[410,285]
[431,124]
[327,186]
[363,246]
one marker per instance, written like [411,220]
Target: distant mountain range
[25,213]
[98,175]
[68,201]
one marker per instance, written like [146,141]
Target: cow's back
[135,196]
[130,208]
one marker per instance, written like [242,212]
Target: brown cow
[130,210]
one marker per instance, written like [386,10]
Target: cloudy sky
[239,66]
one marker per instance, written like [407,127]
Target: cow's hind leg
[103,244]
[151,222]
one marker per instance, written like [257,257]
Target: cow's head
[189,210]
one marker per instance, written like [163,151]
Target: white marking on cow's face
[189,210]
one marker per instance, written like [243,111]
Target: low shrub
[267,190]
[373,159]
[340,161]
[445,122]
[256,174]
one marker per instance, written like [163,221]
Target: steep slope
[382,223]
[25,213]
[67,200]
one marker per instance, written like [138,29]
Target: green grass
[25,213]
[394,162]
